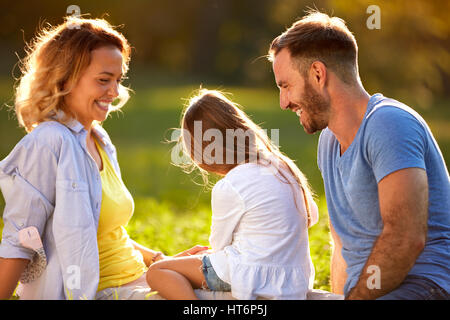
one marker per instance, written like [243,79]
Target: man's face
[298,95]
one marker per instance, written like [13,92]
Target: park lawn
[158,226]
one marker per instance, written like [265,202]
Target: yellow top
[120,262]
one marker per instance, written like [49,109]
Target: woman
[62,180]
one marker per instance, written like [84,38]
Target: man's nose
[284,101]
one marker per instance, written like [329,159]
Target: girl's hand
[198,249]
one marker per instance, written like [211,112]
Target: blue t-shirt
[391,137]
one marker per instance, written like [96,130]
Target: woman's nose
[114,90]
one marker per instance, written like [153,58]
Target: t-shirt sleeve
[395,140]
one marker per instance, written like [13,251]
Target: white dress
[258,236]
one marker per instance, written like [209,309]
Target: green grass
[160,227]
[172,213]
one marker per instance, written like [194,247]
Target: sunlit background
[179,46]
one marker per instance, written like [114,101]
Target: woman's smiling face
[91,97]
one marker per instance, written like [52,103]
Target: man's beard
[315,110]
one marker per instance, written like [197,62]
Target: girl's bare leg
[176,279]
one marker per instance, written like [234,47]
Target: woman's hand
[158,256]
[148,255]
[198,249]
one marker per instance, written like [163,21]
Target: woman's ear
[66,85]
[62,85]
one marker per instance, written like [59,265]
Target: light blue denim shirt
[50,181]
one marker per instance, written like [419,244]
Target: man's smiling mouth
[297,109]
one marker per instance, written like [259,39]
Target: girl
[261,211]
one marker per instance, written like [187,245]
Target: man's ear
[318,74]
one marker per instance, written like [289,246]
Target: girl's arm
[10,271]
[227,210]
[151,256]
[198,249]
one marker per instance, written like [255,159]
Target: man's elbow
[418,243]
[413,241]
[419,237]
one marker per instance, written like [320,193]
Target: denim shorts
[212,280]
[417,288]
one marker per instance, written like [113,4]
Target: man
[386,183]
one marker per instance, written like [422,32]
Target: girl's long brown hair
[217,112]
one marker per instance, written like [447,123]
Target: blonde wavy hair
[217,112]
[55,60]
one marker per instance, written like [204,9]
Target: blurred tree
[227,40]
[408,57]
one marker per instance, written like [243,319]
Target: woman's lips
[104,105]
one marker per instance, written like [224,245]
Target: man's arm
[403,199]
[338,275]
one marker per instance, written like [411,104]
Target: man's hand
[403,198]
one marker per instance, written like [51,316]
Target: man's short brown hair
[319,37]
